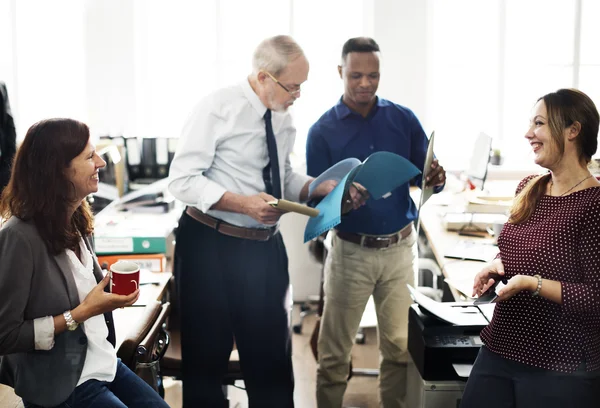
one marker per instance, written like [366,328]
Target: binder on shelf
[172,146]
[134,158]
[152,262]
[110,245]
[129,232]
[162,157]
[149,169]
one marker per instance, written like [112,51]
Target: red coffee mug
[124,277]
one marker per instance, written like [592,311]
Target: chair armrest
[150,349]
[137,333]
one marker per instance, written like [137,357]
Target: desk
[459,273]
[124,318]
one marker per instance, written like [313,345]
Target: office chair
[433,291]
[145,345]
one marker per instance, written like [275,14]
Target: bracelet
[536,292]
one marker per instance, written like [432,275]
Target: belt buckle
[378,239]
[388,240]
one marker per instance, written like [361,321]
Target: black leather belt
[256,234]
[375,241]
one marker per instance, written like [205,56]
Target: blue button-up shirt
[341,133]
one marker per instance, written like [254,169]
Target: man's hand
[323,189]
[355,198]
[436,176]
[256,207]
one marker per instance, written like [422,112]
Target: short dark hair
[38,189]
[359,44]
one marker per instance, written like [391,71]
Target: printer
[443,343]
[435,346]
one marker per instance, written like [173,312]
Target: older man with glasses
[231,262]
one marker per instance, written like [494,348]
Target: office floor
[361,391]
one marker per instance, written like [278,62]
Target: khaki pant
[352,274]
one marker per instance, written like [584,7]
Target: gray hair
[275,53]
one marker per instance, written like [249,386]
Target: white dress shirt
[223,147]
[101,358]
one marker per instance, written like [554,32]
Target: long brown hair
[564,107]
[39,190]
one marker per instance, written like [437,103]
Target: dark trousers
[233,288]
[496,382]
[127,390]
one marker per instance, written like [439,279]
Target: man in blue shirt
[374,248]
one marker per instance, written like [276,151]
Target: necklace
[569,190]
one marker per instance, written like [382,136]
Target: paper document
[335,172]
[462,370]
[291,206]
[445,311]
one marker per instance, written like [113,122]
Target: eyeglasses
[294,94]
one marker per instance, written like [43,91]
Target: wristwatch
[71,323]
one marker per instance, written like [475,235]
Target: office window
[48,60]
[539,51]
[322,31]
[175,63]
[6,40]
[465,67]
[488,71]
[589,73]
[137,67]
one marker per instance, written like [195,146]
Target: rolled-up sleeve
[43,328]
[195,153]
[584,297]
[16,273]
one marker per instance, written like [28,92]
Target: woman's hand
[98,302]
[488,276]
[515,285]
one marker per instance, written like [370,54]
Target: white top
[223,147]
[101,358]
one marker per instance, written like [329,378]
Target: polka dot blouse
[561,242]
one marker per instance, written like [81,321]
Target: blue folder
[380,174]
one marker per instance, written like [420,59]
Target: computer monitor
[480,158]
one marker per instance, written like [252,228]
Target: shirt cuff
[43,329]
[294,186]
[211,193]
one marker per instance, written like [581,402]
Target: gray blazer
[34,283]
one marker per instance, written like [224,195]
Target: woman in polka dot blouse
[542,348]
